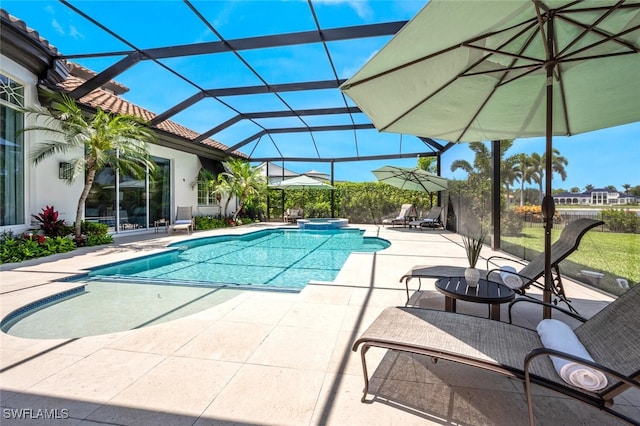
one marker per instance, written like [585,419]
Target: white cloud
[73,32]
[361,7]
[56,26]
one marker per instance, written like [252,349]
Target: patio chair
[124,220]
[184,220]
[291,215]
[407,213]
[530,273]
[611,338]
[431,220]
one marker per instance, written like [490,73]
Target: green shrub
[511,223]
[96,240]
[618,220]
[97,233]
[94,228]
[18,248]
[209,222]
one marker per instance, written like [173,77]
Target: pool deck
[268,358]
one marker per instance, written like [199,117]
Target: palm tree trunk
[91,174]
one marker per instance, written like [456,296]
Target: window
[11,152]
[205,195]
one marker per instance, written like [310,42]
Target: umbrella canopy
[300,182]
[411,178]
[316,174]
[489,70]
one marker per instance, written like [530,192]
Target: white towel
[509,279]
[559,336]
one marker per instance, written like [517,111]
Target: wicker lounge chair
[611,337]
[431,220]
[407,213]
[530,273]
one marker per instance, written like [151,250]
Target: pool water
[106,307]
[193,276]
[274,259]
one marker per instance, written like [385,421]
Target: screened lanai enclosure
[261,80]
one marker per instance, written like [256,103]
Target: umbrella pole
[548,206]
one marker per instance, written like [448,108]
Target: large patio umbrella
[300,182]
[490,70]
[411,178]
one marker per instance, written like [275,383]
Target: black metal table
[489,292]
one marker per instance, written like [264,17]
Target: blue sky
[605,157]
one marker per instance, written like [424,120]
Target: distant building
[595,197]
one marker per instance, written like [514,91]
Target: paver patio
[269,358]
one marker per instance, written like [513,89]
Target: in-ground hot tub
[322,223]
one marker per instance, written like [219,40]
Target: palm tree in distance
[558,164]
[524,171]
[481,167]
[482,164]
[242,180]
[99,140]
[626,187]
[428,164]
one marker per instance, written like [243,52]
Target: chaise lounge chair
[611,338]
[431,220]
[407,213]
[184,220]
[531,272]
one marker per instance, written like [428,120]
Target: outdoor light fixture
[65,171]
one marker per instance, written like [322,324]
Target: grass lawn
[616,255]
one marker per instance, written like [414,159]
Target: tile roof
[113,103]
[29,32]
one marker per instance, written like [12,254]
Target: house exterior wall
[42,186]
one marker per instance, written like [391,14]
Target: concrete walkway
[265,358]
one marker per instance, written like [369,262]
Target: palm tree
[626,187]
[481,167]
[536,168]
[100,140]
[558,164]
[243,181]
[482,164]
[508,174]
[523,166]
[427,164]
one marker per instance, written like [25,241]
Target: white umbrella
[411,178]
[300,182]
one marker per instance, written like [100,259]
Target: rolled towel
[559,336]
[509,279]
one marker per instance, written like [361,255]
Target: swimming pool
[284,259]
[192,276]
